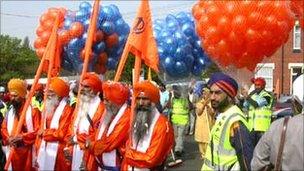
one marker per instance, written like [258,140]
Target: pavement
[191,157]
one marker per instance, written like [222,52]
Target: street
[191,157]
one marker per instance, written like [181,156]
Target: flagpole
[31,93]
[53,51]
[122,62]
[88,50]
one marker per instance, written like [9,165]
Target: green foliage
[126,75]
[16,59]
[210,70]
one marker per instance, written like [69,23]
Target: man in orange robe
[58,113]
[114,128]
[85,121]
[152,135]
[24,140]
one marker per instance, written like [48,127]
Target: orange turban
[18,86]
[39,87]
[149,89]
[92,80]
[115,92]
[60,87]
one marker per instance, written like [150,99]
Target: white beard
[50,106]
[84,105]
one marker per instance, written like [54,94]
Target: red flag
[141,40]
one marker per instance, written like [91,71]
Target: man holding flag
[85,120]
[57,115]
[22,142]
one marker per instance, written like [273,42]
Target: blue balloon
[170,45]
[116,13]
[99,48]
[160,23]
[85,6]
[108,12]
[81,15]
[197,70]
[180,53]
[188,29]
[181,68]
[172,25]
[86,24]
[189,61]
[111,64]
[67,23]
[107,27]
[76,43]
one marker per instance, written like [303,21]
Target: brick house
[282,68]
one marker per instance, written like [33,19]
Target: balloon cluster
[45,27]
[108,42]
[242,33]
[179,47]
[298,8]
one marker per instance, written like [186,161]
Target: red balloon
[39,30]
[64,37]
[45,36]
[44,17]
[40,52]
[100,69]
[39,43]
[48,24]
[111,40]
[99,36]
[76,29]
[242,33]
[103,58]
[82,55]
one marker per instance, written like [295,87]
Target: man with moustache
[58,114]
[230,146]
[152,136]
[85,121]
[259,105]
[114,128]
[24,140]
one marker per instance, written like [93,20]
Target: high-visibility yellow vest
[220,155]
[72,100]
[259,119]
[180,111]
[37,104]
[3,110]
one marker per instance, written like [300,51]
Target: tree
[16,60]
[26,42]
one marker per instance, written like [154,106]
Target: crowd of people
[103,127]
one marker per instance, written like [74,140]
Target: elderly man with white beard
[58,112]
[85,122]
[114,128]
[152,136]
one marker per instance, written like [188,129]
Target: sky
[21,18]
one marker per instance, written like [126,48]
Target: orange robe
[160,145]
[114,141]
[82,137]
[58,135]
[22,156]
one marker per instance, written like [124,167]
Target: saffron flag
[141,40]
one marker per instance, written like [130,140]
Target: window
[296,69]
[266,71]
[297,36]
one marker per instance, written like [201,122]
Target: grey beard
[84,105]
[141,123]
[50,105]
